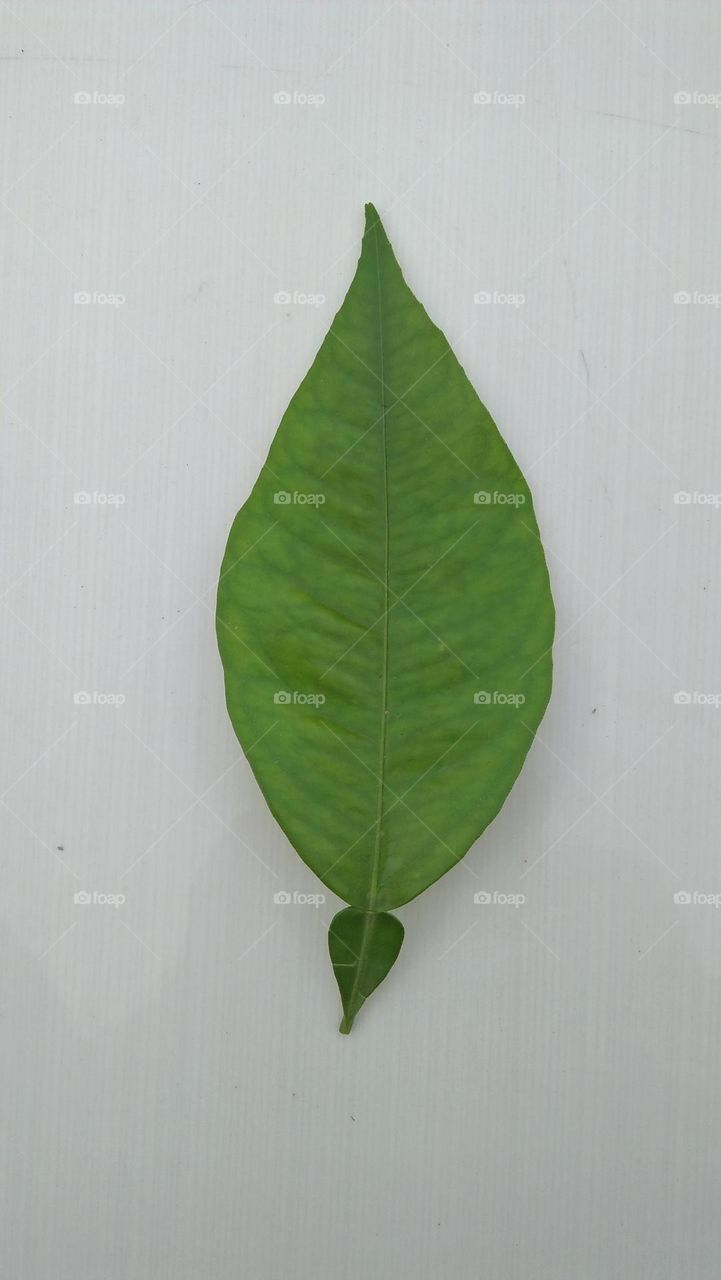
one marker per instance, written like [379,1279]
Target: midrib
[376,862]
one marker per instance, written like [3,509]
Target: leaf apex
[372,217]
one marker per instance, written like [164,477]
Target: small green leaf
[384,616]
[363,946]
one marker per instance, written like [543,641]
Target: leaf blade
[363,946]
[397,600]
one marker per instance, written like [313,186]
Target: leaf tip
[372,217]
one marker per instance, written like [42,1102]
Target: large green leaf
[384,612]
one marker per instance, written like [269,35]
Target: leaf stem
[353,1003]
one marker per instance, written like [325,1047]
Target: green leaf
[384,614]
[363,946]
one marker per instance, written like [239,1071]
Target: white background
[535,1090]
